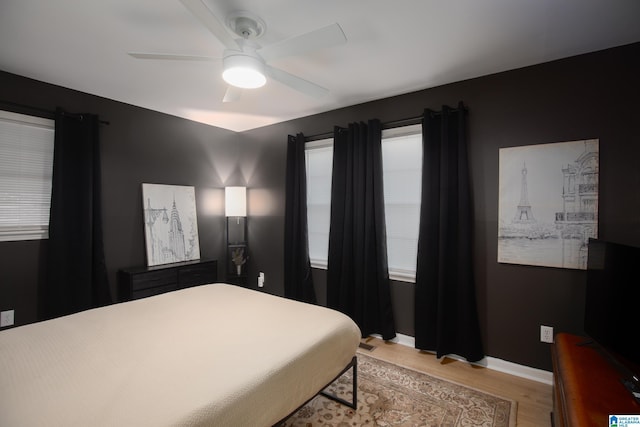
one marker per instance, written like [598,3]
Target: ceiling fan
[245,62]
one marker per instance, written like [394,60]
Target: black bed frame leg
[354,404]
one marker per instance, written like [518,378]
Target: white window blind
[26,164]
[402,177]
[319,164]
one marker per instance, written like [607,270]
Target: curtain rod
[48,114]
[387,125]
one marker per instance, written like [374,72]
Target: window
[26,164]
[402,178]
[319,164]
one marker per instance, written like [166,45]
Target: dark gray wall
[589,96]
[138,146]
[584,97]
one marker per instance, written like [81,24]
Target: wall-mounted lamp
[235,201]
[235,205]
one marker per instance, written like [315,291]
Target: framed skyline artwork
[170,223]
[548,203]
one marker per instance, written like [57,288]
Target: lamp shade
[235,201]
[243,71]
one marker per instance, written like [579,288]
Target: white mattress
[209,355]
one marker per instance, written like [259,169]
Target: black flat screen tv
[612,315]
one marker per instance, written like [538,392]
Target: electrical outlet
[261,280]
[6,318]
[546,333]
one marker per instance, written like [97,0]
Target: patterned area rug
[391,395]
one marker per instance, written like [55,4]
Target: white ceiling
[393,47]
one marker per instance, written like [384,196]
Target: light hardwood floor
[534,398]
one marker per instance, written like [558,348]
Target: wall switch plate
[546,333]
[6,318]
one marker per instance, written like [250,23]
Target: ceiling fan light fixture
[244,71]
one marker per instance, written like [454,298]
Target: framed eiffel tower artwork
[548,203]
[170,223]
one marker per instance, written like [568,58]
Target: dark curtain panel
[357,274]
[76,271]
[446,316]
[298,282]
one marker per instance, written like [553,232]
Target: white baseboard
[496,364]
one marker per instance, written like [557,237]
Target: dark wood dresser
[140,282]
[587,386]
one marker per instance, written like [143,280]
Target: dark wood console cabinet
[587,387]
[140,282]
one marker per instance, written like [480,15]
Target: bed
[214,354]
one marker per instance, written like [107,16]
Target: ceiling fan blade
[331,35]
[232,94]
[297,83]
[171,56]
[204,14]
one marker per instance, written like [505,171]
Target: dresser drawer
[141,282]
[197,275]
[153,279]
[147,292]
